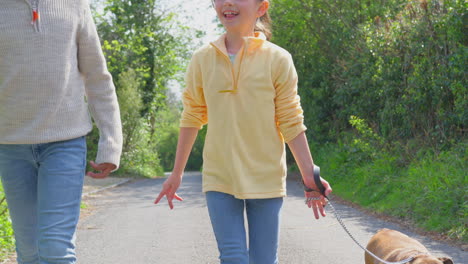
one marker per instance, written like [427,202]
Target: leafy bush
[383,86]
[167,147]
[430,191]
[6,231]
[167,133]
[399,65]
[145,49]
[139,152]
[367,142]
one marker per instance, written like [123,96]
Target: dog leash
[319,184]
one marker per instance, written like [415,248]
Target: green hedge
[6,231]
[400,65]
[430,191]
[384,89]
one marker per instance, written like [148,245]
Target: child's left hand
[169,189]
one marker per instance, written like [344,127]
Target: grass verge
[429,191]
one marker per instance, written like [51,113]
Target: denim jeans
[43,185]
[227,218]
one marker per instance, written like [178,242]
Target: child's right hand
[170,187]
[315,199]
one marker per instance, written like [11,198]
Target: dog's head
[431,260]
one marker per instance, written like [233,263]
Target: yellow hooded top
[253,108]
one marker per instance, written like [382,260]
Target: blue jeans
[43,185]
[227,218]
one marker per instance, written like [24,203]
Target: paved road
[126,228]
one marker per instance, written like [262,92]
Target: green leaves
[146,49]
[141,35]
[430,191]
[399,65]
[6,231]
[384,87]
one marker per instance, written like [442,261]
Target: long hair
[263,23]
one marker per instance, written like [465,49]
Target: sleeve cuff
[190,124]
[109,156]
[293,132]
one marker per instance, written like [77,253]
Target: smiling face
[240,16]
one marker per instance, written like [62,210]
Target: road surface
[125,227]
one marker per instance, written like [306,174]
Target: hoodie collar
[252,43]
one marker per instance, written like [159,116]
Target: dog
[393,246]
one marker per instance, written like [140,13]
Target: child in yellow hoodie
[246,88]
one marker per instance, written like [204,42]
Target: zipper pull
[35,16]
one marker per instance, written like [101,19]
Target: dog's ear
[446,260]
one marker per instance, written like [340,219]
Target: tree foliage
[399,65]
[384,85]
[145,48]
[6,230]
[141,35]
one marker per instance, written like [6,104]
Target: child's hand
[315,199]
[170,187]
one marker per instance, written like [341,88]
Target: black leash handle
[318,183]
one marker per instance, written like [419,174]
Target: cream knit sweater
[52,70]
